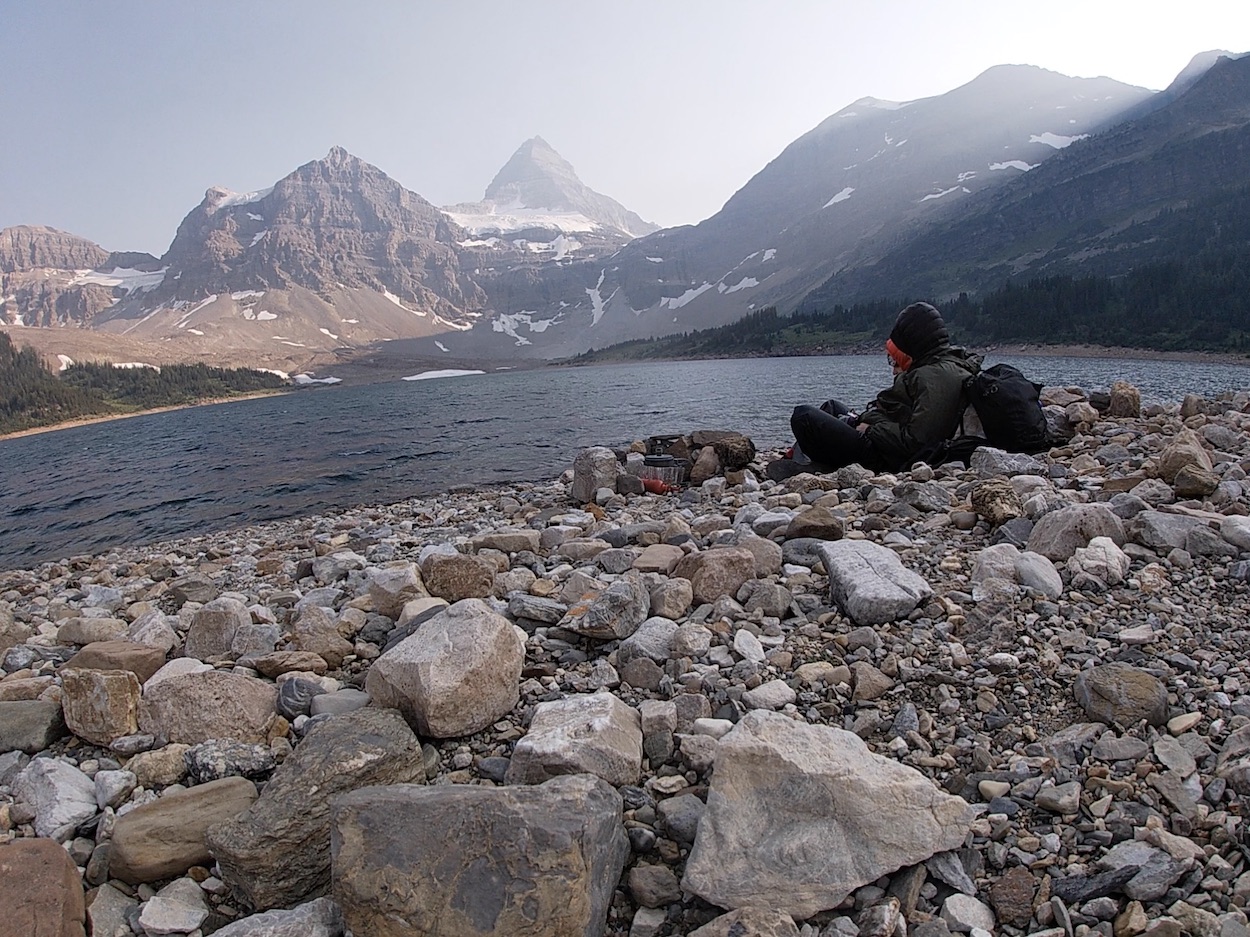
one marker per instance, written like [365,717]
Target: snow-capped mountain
[1020,170]
[538,191]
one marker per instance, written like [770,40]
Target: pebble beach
[1008,698]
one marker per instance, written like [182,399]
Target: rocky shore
[1007,699]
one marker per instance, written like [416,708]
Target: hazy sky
[115,117]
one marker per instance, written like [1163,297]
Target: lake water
[184,472]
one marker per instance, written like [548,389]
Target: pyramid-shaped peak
[534,163]
[338,156]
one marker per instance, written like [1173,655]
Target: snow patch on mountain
[507,219]
[840,197]
[125,278]
[1058,141]
[676,302]
[954,188]
[744,284]
[448,372]
[508,323]
[1013,164]
[400,303]
[230,199]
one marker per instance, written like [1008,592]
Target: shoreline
[1023,349]
[110,417]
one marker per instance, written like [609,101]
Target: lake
[184,472]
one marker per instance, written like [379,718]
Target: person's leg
[829,440]
[835,408]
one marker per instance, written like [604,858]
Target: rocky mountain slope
[1144,190]
[1019,171]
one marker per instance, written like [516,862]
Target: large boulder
[595,734]
[30,725]
[166,837]
[213,627]
[1122,694]
[63,797]
[456,674]
[40,891]
[612,613]
[413,860]
[195,707]
[1059,534]
[799,816]
[142,660]
[100,705]
[277,852]
[716,572]
[593,468]
[320,917]
[869,582]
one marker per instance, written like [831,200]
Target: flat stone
[142,660]
[166,837]
[40,891]
[595,734]
[548,868]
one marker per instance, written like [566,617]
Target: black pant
[830,440]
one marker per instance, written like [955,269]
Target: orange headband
[897,355]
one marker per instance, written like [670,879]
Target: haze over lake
[186,472]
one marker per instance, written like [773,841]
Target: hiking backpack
[1009,408]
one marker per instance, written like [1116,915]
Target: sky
[115,117]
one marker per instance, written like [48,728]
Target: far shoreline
[110,417]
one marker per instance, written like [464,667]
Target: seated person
[920,409]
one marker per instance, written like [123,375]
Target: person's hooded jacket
[927,399]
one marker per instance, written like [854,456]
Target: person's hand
[862,427]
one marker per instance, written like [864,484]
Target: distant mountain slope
[1138,192]
[840,195]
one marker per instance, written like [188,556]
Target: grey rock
[295,696]
[346,700]
[653,639]
[869,582]
[611,614]
[773,773]
[226,758]
[1120,693]
[320,917]
[456,674]
[593,468]
[30,726]
[213,628]
[63,797]
[277,852]
[1058,534]
[549,867]
[595,734]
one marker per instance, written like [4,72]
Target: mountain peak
[536,176]
[1198,66]
[338,156]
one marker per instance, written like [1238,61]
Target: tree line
[1199,303]
[32,396]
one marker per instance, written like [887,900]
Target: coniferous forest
[1201,303]
[32,396]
